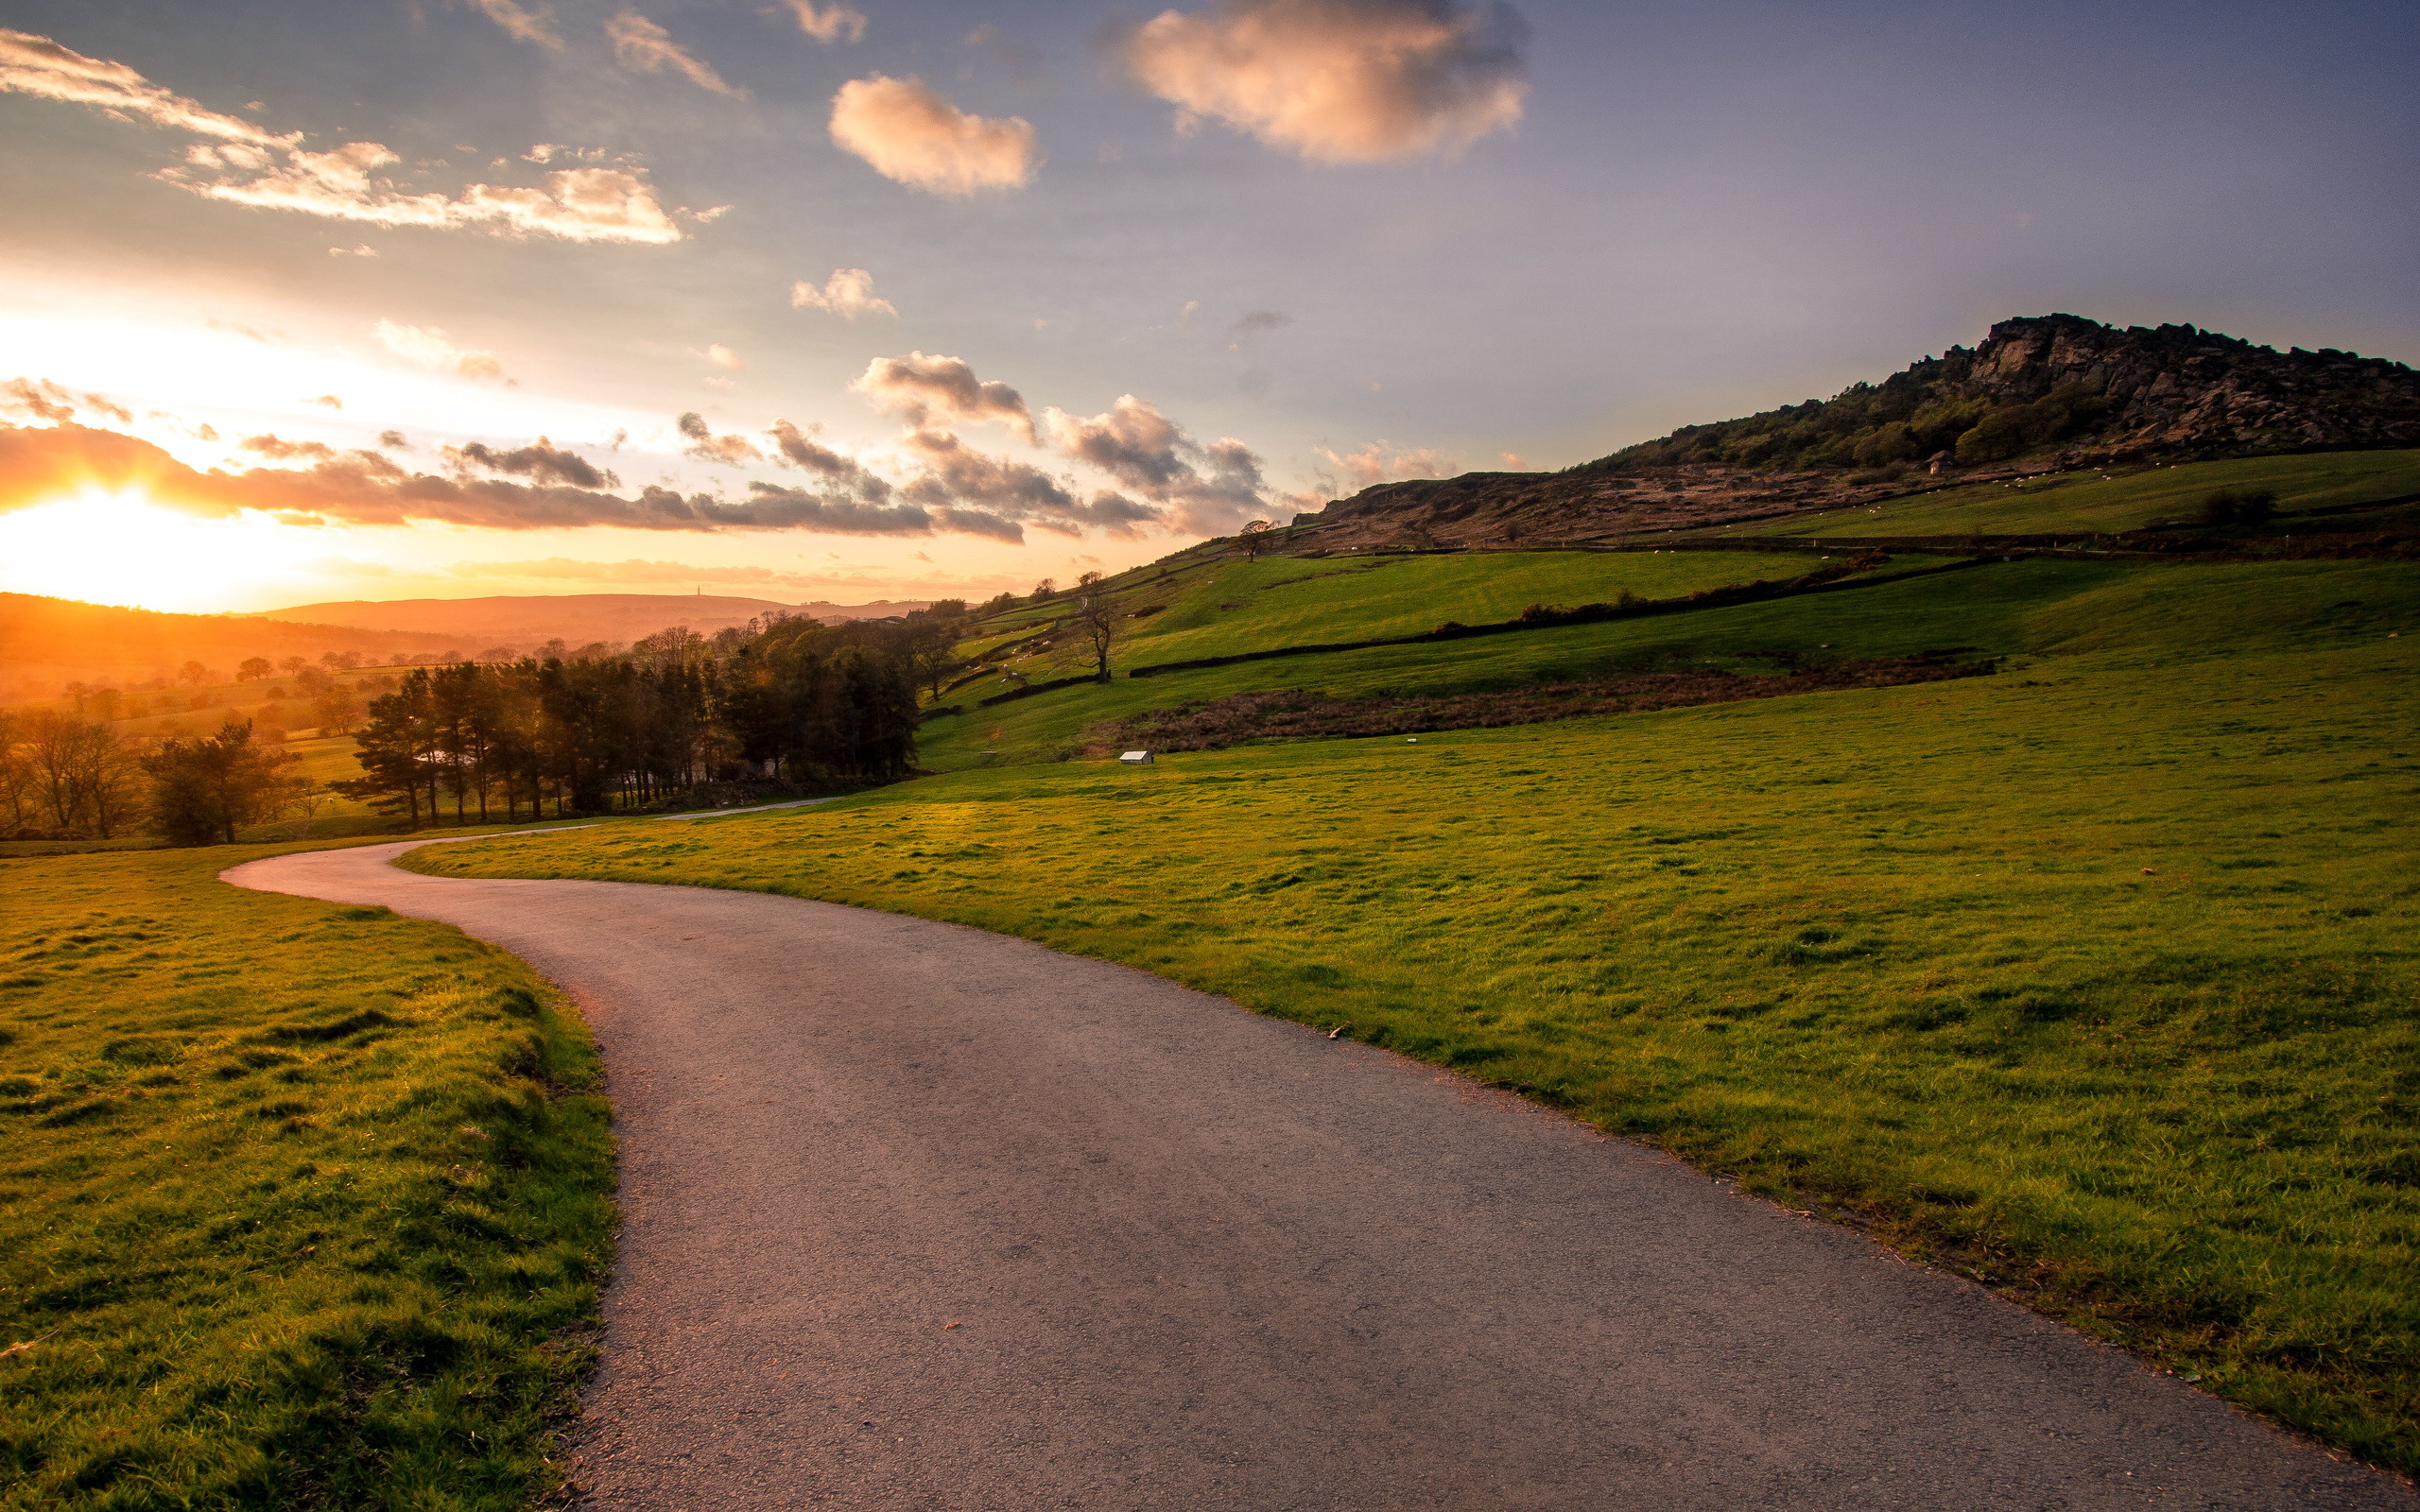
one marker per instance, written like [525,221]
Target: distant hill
[2039,394]
[524,622]
[45,643]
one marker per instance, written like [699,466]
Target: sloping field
[1219,606]
[2091,500]
[1996,609]
[2095,979]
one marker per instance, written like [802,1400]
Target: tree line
[795,703]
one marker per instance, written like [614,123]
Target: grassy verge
[2096,979]
[297,1200]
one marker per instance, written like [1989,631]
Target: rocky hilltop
[2039,394]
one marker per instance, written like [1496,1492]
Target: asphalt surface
[923,1218]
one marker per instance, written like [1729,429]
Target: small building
[1136,758]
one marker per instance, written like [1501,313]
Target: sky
[388,298]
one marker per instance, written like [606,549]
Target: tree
[340,660]
[206,788]
[252,668]
[75,773]
[1254,536]
[1095,613]
[193,672]
[1044,591]
[293,664]
[335,710]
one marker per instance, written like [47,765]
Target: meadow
[2135,499]
[2094,978]
[300,1204]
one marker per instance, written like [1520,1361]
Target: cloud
[325,401]
[729,451]
[394,439]
[1209,489]
[541,461]
[644,47]
[41,465]
[1339,80]
[913,136]
[797,449]
[37,66]
[522,26]
[827,24]
[1239,335]
[242,164]
[361,250]
[848,293]
[1376,462]
[284,451]
[426,345]
[722,356]
[47,401]
[919,388]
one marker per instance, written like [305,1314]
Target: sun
[117,547]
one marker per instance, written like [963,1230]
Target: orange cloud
[523,25]
[644,47]
[913,136]
[1376,462]
[1338,80]
[827,24]
[37,66]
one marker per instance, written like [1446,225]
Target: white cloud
[913,136]
[243,165]
[722,356]
[827,24]
[644,47]
[427,346]
[848,293]
[1339,80]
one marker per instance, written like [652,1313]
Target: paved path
[923,1217]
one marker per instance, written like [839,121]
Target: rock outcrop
[2039,394]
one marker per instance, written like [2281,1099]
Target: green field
[301,1205]
[2123,500]
[1219,605]
[2095,979]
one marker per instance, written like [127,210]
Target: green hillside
[2094,501]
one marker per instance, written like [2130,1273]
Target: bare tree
[1095,614]
[252,668]
[1254,536]
[293,664]
[78,773]
[192,671]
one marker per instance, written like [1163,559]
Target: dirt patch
[1295,714]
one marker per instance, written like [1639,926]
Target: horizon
[816,305]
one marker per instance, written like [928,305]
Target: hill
[2039,394]
[525,622]
[45,643]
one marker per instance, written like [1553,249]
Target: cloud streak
[911,135]
[522,26]
[830,23]
[244,164]
[644,47]
[1339,80]
[42,465]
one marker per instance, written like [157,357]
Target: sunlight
[116,547]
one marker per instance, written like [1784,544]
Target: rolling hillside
[525,622]
[47,642]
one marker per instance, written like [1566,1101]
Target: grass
[2092,502]
[1998,609]
[2095,979]
[1221,606]
[301,1205]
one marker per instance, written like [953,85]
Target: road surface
[923,1218]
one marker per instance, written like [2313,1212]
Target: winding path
[923,1218]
